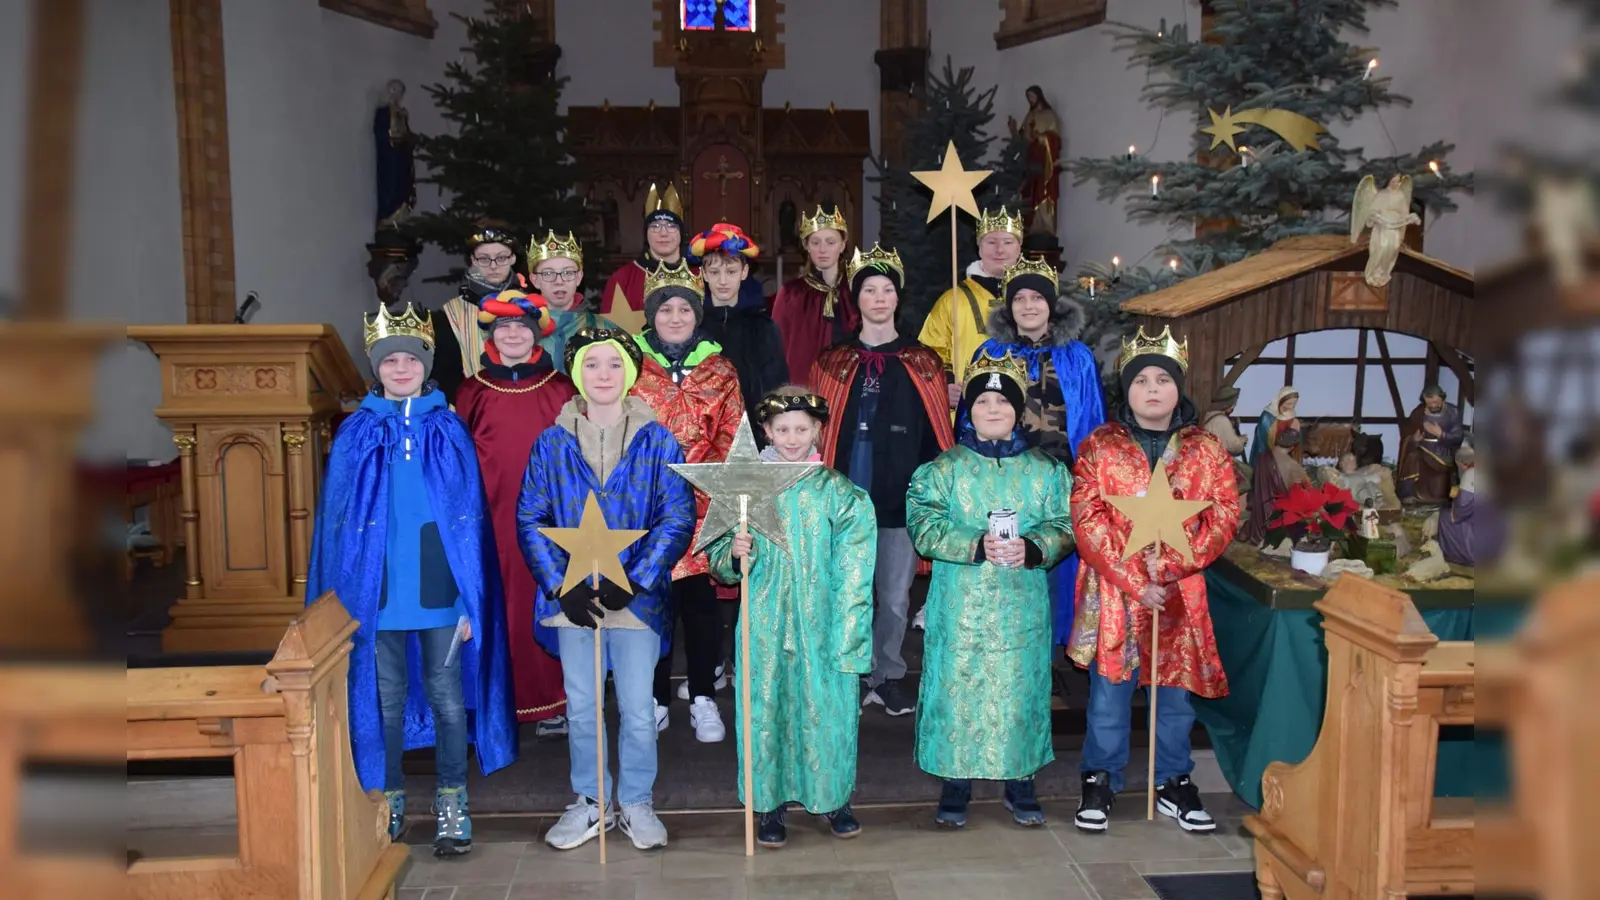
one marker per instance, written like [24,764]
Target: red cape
[800,310]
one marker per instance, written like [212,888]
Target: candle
[1371,64]
[1132,151]
[1155,185]
[1433,166]
[1173,264]
[1244,156]
[1116,263]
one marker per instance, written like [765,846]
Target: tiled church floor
[900,855]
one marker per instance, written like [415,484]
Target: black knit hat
[1000,376]
[1134,366]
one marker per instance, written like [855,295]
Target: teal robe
[984,705]
[810,640]
[567,324]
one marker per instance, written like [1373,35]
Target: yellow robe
[974,328]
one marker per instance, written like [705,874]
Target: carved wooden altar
[731,159]
[250,408]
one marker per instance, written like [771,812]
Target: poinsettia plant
[1313,516]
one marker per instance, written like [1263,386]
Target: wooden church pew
[1357,819]
[306,829]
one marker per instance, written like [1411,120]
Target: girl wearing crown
[556,267]
[694,391]
[738,319]
[1111,630]
[888,393]
[815,310]
[811,627]
[403,538]
[663,235]
[970,304]
[985,697]
[514,396]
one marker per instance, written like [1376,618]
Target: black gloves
[579,606]
[614,598]
[1032,556]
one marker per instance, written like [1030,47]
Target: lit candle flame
[1155,185]
[1173,263]
[1116,261]
[1433,166]
[1132,150]
[1371,64]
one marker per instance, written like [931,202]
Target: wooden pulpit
[251,410]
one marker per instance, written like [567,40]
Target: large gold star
[624,316]
[594,548]
[743,474]
[1299,131]
[952,185]
[1158,516]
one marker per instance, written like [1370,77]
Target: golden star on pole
[624,316]
[743,473]
[1158,517]
[952,185]
[593,547]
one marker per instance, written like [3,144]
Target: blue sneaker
[1023,802]
[953,804]
[454,836]
[397,813]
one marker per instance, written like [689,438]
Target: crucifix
[722,175]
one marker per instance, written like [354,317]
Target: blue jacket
[641,493]
[419,591]
[349,553]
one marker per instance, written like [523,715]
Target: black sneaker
[895,698]
[1094,810]
[770,830]
[1022,800]
[953,804]
[842,822]
[1180,799]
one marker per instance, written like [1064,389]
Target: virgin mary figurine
[1279,416]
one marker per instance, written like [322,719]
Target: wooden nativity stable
[1313,283]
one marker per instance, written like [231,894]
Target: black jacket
[749,340]
[903,438]
[1154,443]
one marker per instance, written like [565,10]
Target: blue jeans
[442,685]
[1105,746]
[632,653]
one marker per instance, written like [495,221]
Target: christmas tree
[952,110]
[1283,55]
[505,160]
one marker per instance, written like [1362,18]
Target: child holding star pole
[606,449]
[1136,554]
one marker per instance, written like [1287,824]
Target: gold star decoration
[743,474]
[594,548]
[1158,516]
[952,185]
[1299,131]
[624,316]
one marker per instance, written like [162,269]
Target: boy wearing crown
[403,539]
[891,416]
[1039,327]
[663,235]
[556,266]
[736,319]
[1156,424]
[814,310]
[491,268]
[694,391]
[999,247]
[513,397]
[810,627]
[992,514]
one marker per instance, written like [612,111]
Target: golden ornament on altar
[1299,131]
[952,185]
[1158,517]
[594,548]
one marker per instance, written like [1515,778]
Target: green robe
[810,639]
[984,706]
[567,324]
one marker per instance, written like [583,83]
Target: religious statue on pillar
[1041,192]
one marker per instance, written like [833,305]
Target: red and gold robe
[630,279]
[702,413]
[1111,629]
[505,415]
[811,317]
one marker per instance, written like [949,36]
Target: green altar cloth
[1277,667]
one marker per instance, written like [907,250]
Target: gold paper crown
[999,220]
[407,324]
[877,257]
[668,201]
[810,225]
[1007,366]
[1039,266]
[553,247]
[666,276]
[1162,344]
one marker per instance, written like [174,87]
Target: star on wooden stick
[952,185]
[743,474]
[1158,517]
[594,548]
[624,316]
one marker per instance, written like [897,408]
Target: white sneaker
[661,718]
[639,822]
[721,682]
[707,721]
[919,622]
[580,825]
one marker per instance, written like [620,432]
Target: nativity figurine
[1274,475]
[1387,212]
[1279,416]
[1428,442]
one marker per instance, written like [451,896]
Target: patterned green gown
[984,706]
[810,639]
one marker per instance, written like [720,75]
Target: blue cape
[1079,376]
[347,557]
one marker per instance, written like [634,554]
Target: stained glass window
[701,15]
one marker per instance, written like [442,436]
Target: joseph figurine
[1429,440]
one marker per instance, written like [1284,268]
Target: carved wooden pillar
[199,77]
[56,74]
[185,439]
[298,472]
[902,60]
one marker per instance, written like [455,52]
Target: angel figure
[1567,216]
[1387,213]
